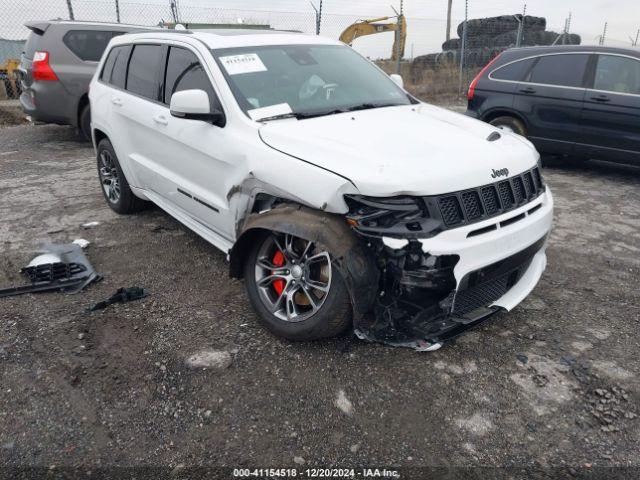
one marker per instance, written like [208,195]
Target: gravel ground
[552,385]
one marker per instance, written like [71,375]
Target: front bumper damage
[436,288]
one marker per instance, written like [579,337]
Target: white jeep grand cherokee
[338,197]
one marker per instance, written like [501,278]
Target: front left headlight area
[396,217]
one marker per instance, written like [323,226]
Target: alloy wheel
[109,177]
[293,277]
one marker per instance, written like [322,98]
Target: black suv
[578,101]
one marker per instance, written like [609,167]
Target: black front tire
[126,202]
[332,319]
[84,123]
[510,123]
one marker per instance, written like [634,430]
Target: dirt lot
[552,385]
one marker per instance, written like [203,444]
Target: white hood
[413,149]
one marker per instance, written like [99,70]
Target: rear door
[611,117]
[138,109]
[551,99]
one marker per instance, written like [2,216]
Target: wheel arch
[504,112]
[98,136]
[355,263]
[83,102]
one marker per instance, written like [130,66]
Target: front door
[196,165]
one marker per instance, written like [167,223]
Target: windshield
[305,80]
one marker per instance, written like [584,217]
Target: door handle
[601,98]
[528,90]
[161,120]
[117,102]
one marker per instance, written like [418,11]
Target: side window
[514,71]
[617,74]
[88,45]
[185,72]
[115,66]
[562,70]
[144,70]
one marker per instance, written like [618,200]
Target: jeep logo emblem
[503,172]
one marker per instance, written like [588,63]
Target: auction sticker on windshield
[245,63]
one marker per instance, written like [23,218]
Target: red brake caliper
[278,261]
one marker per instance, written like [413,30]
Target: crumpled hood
[413,150]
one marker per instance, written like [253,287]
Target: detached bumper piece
[419,305]
[59,268]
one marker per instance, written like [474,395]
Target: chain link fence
[435,69]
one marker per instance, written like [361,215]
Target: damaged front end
[420,303]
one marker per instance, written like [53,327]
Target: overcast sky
[426,18]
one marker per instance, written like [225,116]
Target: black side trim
[196,199]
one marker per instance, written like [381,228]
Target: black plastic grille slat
[506,195]
[472,205]
[537,178]
[51,272]
[490,199]
[450,210]
[529,186]
[518,190]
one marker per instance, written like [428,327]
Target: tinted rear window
[185,72]
[563,70]
[144,69]
[115,66]
[88,45]
[513,71]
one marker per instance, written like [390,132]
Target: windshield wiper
[301,116]
[281,116]
[369,106]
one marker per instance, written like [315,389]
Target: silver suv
[56,67]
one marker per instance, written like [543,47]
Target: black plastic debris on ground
[58,268]
[122,295]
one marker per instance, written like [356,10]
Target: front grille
[470,206]
[491,200]
[450,210]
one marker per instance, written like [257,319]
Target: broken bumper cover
[495,271]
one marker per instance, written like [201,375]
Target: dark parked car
[575,101]
[56,67]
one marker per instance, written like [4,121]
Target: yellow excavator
[379,25]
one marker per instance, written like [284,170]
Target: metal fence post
[70,7]
[604,34]
[318,16]
[117,11]
[463,44]
[398,38]
[521,26]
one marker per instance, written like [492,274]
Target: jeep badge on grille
[503,172]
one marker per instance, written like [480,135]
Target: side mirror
[194,105]
[397,79]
